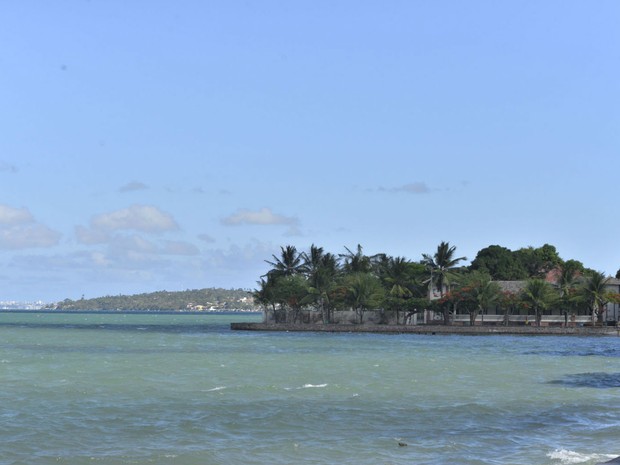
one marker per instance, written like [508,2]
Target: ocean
[182,389]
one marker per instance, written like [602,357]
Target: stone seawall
[430,329]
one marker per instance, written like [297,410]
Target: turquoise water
[184,389]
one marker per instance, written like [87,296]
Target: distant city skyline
[150,146]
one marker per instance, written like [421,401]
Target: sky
[157,145]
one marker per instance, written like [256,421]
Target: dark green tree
[566,284]
[537,262]
[266,296]
[538,295]
[291,292]
[596,295]
[364,292]
[500,263]
[288,263]
[321,270]
[440,267]
[484,292]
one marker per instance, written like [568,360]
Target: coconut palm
[483,291]
[538,295]
[440,266]
[596,295]
[397,279]
[321,270]
[357,262]
[364,292]
[265,295]
[287,264]
[566,284]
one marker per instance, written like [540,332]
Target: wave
[307,386]
[218,388]
[568,457]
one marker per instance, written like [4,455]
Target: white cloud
[19,230]
[12,216]
[144,218]
[28,236]
[264,216]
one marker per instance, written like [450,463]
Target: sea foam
[568,457]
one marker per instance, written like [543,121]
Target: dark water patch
[581,347]
[594,380]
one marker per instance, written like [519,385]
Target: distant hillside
[196,299]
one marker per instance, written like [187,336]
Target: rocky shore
[432,329]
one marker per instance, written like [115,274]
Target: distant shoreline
[136,312]
[431,329]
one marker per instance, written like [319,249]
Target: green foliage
[500,263]
[288,263]
[440,267]
[538,295]
[538,261]
[594,293]
[364,292]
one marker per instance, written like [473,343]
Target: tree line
[217,298]
[315,280]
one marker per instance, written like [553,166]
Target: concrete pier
[432,329]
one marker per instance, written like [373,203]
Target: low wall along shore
[431,329]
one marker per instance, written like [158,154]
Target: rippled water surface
[184,389]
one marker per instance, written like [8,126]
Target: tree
[396,275]
[291,293]
[484,292]
[569,272]
[538,295]
[364,292]
[357,262]
[510,302]
[500,263]
[321,270]
[440,266]
[538,261]
[288,263]
[595,294]
[265,295]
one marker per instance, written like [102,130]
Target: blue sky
[153,145]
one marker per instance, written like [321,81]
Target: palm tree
[357,262]
[289,263]
[364,292]
[321,270]
[484,293]
[594,292]
[265,295]
[566,283]
[396,275]
[440,266]
[538,296]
